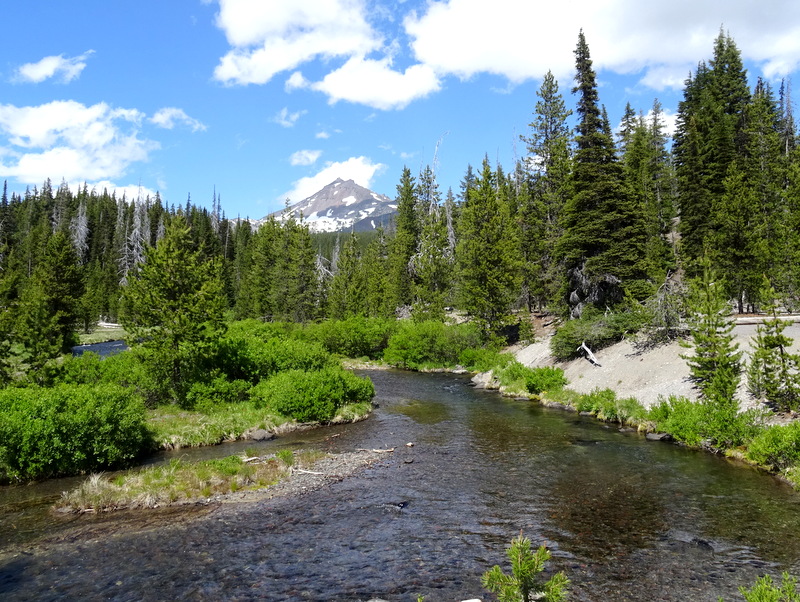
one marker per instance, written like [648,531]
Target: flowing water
[625,518]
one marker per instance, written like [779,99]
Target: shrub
[70,429]
[354,337]
[596,329]
[220,390]
[777,446]
[126,369]
[250,358]
[419,345]
[312,396]
[545,378]
[483,359]
[682,418]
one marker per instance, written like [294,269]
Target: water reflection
[626,518]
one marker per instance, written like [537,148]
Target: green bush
[69,429]
[597,330]
[354,337]
[418,345]
[545,378]
[125,369]
[682,418]
[250,358]
[312,396]
[716,422]
[483,359]
[777,447]
[220,390]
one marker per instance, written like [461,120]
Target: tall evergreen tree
[487,254]
[544,194]
[174,310]
[603,240]
[405,241]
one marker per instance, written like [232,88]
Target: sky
[260,101]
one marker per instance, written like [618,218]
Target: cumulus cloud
[268,37]
[286,119]
[359,169]
[169,117]
[70,140]
[375,84]
[67,68]
[661,40]
[305,157]
[131,191]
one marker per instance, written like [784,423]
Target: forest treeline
[588,218]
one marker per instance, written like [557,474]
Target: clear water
[625,518]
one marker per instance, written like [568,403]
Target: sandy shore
[645,375]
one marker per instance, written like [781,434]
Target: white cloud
[168,117]
[375,84]
[269,37]
[52,66]
[287,119]
[661,40]
[295,82]
[305,157]
[66,139]
[323,135]
[359,169]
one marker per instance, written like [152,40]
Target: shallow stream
[625,518]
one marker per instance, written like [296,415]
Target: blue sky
[265,100]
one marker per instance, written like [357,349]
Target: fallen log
[589,355]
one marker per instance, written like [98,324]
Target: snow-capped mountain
[341,205]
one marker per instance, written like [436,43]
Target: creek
[625,518]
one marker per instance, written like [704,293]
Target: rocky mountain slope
[341,205]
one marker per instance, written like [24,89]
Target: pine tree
[488,261]
[773,373]
[405,241]
[544,194]
[174,310]
[603,241]
[347,294]
[715,364]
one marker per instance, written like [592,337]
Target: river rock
[261,435]
[658,437]
[485,380]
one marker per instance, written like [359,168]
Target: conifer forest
[588,218]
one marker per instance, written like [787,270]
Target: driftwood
[378,451]
[589,355]
[307,471]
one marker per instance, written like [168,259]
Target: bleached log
[589,355]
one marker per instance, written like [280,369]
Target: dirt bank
[645,375]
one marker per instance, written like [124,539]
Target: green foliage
[777,447]
[597,329]
[545,378]
[286,456]
[523,584]
[354,337]
[174,311]
[220,390]
[483,359]
[715,362]
[419,345]
[773,373]
[248,357]
[764,590]
[706,422]
[69,429]
[606,406]
[312,396]
[488,254]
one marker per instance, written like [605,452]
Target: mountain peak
[340,205]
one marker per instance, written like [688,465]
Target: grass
[174,428]
[182,482]
[101,334]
